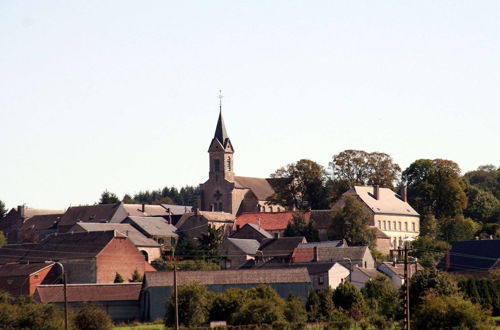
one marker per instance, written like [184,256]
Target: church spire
[220,130]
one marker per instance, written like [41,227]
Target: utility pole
[407,289]
[175,291]
[65,300]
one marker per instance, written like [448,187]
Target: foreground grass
[146,326]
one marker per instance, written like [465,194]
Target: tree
[429,250]
[350,299]
[211,240]
[486,178]
[352,224]
[136,277]
[481,204]
[91,317]
[118,278]
[295,311]
[299,227]
[429,226]
[357,167]
[427,280]
[3,239]
[127,199]
[194,302]
[3,210]
[262,305]
[458,229]
[302,185]
[108,198]
[382,297]
[449,312]
[226,304]
[435,187]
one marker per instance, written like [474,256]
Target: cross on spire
[220,99]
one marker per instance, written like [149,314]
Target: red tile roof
[268,220]
[89,292]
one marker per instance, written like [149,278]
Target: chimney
[404,194]
[20,210]
[315,254]
[376,191]
[196,211]
[143,208]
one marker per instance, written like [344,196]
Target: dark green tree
[226,304]
[127,199]
[91,317]
[194,302]
[3,210]
[302,185]
[427,280]
[136,277]
[263,306]
[457,228]
[486,178]
[211,240]
[352,224]
[108,198]
[435,187]
[118,278]
[381,296]
[295,311]
[299,227]
[350,299]
[449,312]
[481,204]
[429,250]
[429,226]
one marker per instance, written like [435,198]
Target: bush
[295,311]
[91,317]
[194,302]
[349,298]
[118,278]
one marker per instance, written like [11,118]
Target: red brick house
[90,257]
[23,279]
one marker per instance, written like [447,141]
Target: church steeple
[220,130]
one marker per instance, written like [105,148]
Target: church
[226,192]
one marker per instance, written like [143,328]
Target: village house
[389,212]
[395,271]
[473,257]
[349,256]
[360,276]
[195,224]
[274,223]
[252,231]
[237,252]
[38,227]
[89,257]
[149,248]
[278,249]
[11,224]
[119,300]
[22,279]
[155,228]
[158,286]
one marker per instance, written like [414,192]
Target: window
[216,165]
[394,223]
[413,226]
[389,223]
[229,163]
[380,224]
[384,226]
[399,225]
[406,226]
[321,280]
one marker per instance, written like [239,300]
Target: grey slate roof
[248,246]
[178,209]
[220,131]
[154,226]
[149,210]
[337,243]
[16,269]
[260,230]
[282,246]
[338,254]
[92,213]
[133,234]
[259,186]
[240,276]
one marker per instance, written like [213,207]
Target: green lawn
[150,326]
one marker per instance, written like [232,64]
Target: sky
[122,95]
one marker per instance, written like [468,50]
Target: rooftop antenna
[220,99]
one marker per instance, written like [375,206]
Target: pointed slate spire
[220,130]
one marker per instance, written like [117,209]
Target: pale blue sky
[122,95]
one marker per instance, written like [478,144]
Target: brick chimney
[404,194]
[376,191]
[143,208]
[20,210]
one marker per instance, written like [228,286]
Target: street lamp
[65,292]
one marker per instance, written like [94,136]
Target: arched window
[145,254]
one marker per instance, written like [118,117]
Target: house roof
[248,246]
[89,292]
[240,276]
[149,210]
[380,234]
[322,218]
[472,256]
[41,222]
[268,220]
[59,246]
[154,226]
[282,246]
[388,203]
[17,269]
[128,230]
[89,213]
[210,216]
[369,272]
[330,253]
[31,212]
[324,244]
[261,231]
[261,187]
[178,209]
[399,268]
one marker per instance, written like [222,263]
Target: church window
[216,165]
[229,163]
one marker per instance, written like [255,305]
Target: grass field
[151,326]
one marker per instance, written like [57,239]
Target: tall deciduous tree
[304,188]
[435,186]
[3,210]
[486,177]
[481,204]
[352,224]
[430,279]
[381,295]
